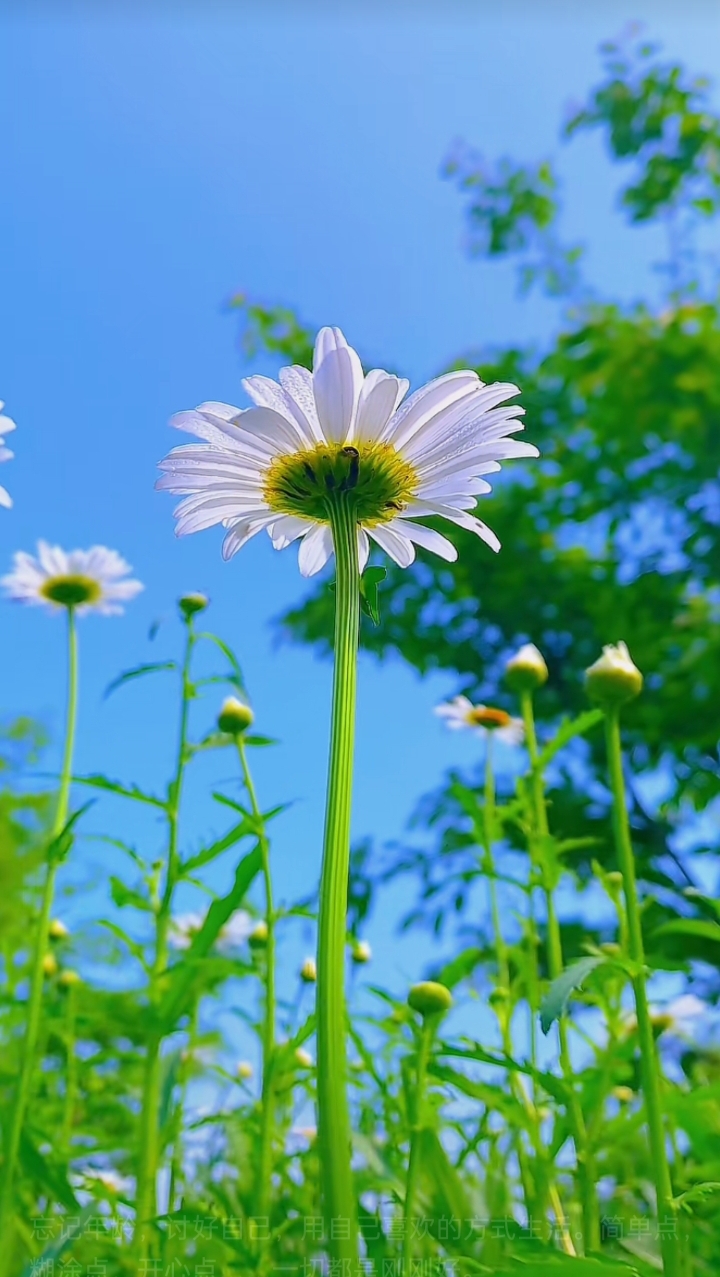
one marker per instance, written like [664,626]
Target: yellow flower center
[372,476]
[483,716]
[71,590]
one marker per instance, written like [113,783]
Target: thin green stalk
[417,1117]
[267,1119]
[670,1246]
[148,1152]
[333,1115]
[183,1077]
[70,1072]
[537,1197]
[22,1094]
[586,1171]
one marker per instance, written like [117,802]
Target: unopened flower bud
[244,1069]
[49,964]
[258,936]
[303,1058]
[308,971]
[191,604]
[234,717]
[623,1093]
[611,949]
[499,996]
[614,879]
[429,998]
[57,930]
[361,952]
[68,978]
[526,670]
[614,678]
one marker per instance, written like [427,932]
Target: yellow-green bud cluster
[234,717]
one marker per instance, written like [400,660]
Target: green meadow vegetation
[574,894]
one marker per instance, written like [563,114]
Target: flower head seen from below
[460,713]
[93,580]
[318,439]
[6,425]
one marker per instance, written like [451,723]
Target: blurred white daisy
[6,425]
[334,433]
[185,926]
[109,1179]
[84,580]
[460,712]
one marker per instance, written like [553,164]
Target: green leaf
[124,896]
[216,848]
[184,975]
[369,585]
[48,1174]
[557,997]
[61,844]
[151,668]
[133,946]
[260,740]
[703,929]
[567,731]
[566,1266]
[236,677]
[123,791]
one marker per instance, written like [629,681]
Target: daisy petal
[363,549]
[315,550]
[429,539]
[399,548]
[379,397]
[337,381]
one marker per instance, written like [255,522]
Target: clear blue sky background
[157,158]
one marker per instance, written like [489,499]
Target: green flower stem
[176,1162]
[70,1072]
[417,1121]
[586,1171]
[267,1120]
[333,1115]
[22,1094]
[670,1246]
[148,1152]
[538,1194]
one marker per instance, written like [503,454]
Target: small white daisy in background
[85,580]
[6,426]
[460,713]
[109,1179]
[185,926]
[332,434]
[682,1016]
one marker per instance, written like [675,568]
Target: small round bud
[308,971]
[429,998]
[258,937]
[623,1093]
[57,930]
[526,670]
[303,1058]
[68,978]
[614,879]
[234,717]
[49,964]
[191,604]
[614,678]
[499,997]
[611,949]
[361,952]
[244,1069]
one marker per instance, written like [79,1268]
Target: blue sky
[162,158]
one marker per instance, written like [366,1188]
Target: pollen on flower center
[372,476]
[71,590]
[483,716]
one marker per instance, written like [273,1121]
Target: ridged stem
[22,1094]
[670,1244]
[334,1137]
[586,1171]
[416,1125]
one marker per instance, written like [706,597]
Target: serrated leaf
[124,896]
[567,731]
[133,946]
[216,848]
[152,667]
[61,844]
[557,997]
[236,678]
[369,585]
[123,791]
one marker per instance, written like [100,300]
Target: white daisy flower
[6,425]
[85,580]
[335,432]
[460,712]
